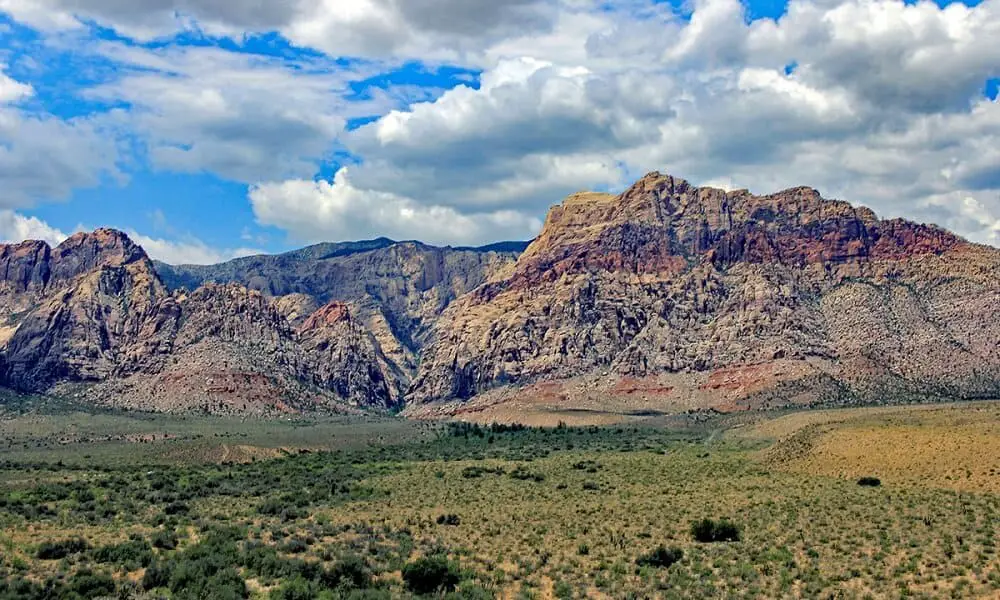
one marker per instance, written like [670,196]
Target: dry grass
[575,520]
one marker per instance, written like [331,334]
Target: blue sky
[211,129]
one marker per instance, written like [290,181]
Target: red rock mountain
[670,296]
[667,297]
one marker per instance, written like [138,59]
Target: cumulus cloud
[874,101]
[868,100]
[242,116]
[446,29]
[12,91]
[321,210]
[43,157]
[186,251]
[15,227]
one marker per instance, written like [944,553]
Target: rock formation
[732,299]
[665,297]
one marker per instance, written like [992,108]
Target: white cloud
[15,227]
[242,116]
[186,251]
[875,101]
[12,91]
[321,210]
[869,100]
[43,157]
[446,29]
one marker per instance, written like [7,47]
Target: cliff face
[92,317]
[665,297]
[736,298]
[409,283]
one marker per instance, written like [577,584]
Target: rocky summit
[667,297]
[673,297]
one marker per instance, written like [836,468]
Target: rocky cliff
[92,318]
[666,297]
[689,296]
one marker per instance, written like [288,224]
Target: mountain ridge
[663,298]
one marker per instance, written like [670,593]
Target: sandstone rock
[668,278]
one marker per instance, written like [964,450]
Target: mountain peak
[104,246]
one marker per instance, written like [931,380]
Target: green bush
[431,574]
[449,519]
[478,471]
[165,540]
[661,557]
[295,589]
[131,554]
[157,575]
[708,531]
[348,572]
[523,474]
[61,549]
[86,584]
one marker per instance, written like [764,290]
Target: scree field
[854,503]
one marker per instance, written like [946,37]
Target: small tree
[431,574]
[661,557]
[708,531]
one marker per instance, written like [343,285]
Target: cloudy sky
[214,128]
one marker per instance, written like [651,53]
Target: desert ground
[106,504]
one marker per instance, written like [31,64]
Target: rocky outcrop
[408,283]
[669,280]
[97,322]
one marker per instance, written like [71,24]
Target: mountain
[667,297]
[332,325]
[671,296]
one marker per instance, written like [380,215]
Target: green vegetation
[467,511]
[708,531]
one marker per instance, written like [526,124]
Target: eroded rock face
[670,279]
[405,284]
[96,321]
[667,296]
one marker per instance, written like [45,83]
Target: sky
[210,129]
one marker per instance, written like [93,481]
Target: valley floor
[105,504]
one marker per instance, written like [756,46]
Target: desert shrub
[131,554]
[86,584]
[869,482]
[165,540]
[661,557]
[207,569]
[562,590]
[349,572]
[157,575]
[61,549]
[523,474]
[709,531]
[478,471]
[285,507]
[295,589]
[431,574]
[449,519]
[295,546]
[176,508]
